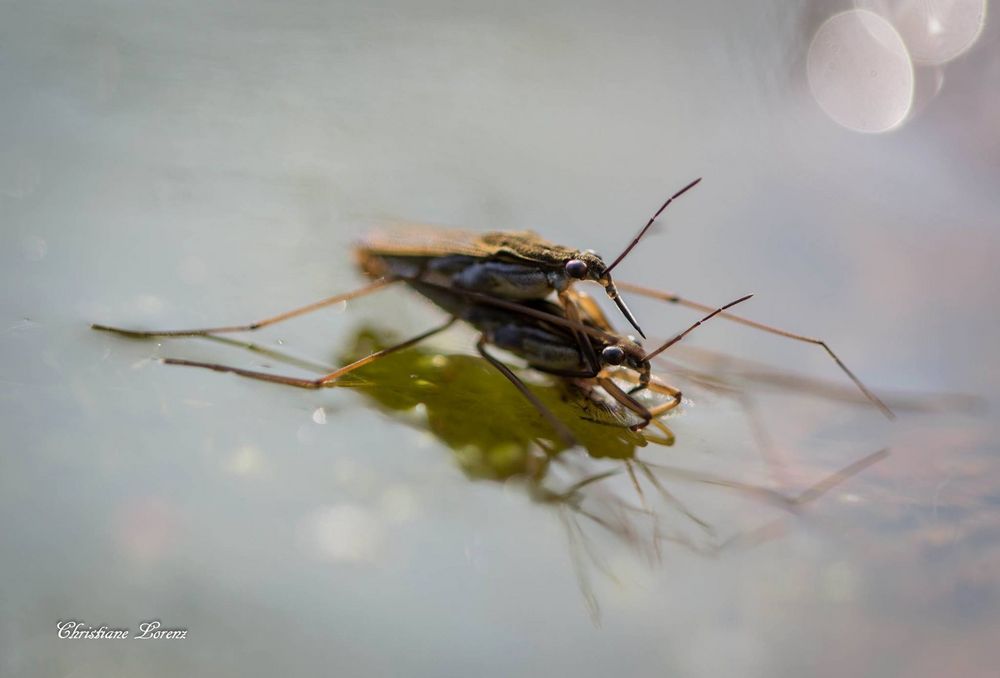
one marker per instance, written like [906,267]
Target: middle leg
[325,380]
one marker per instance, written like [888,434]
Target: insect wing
[425,240]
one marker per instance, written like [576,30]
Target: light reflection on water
[167,166]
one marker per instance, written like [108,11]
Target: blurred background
[178,164]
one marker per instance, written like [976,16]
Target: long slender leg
[325,380]
[656,386]
[302,310]
[628,401]
[819,387]
[588,307]
[561,429]
[586,348]
[647,414]
[676,299]
[279,356]
[664,389]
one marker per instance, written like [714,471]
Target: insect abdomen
[541,349]
[505,280]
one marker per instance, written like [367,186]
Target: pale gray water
[177,164]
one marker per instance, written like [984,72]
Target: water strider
[505,269]
[499,282]
[514,265]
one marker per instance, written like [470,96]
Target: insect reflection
[607,486]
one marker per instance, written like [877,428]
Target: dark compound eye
[613,355]
[575,268]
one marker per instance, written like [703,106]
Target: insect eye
[575,268]
[613,355]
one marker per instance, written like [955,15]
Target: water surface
[190,164]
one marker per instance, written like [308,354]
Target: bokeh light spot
[935,31]
[860,72]
[342,533]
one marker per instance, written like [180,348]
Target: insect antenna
[665,346]
[635,241]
